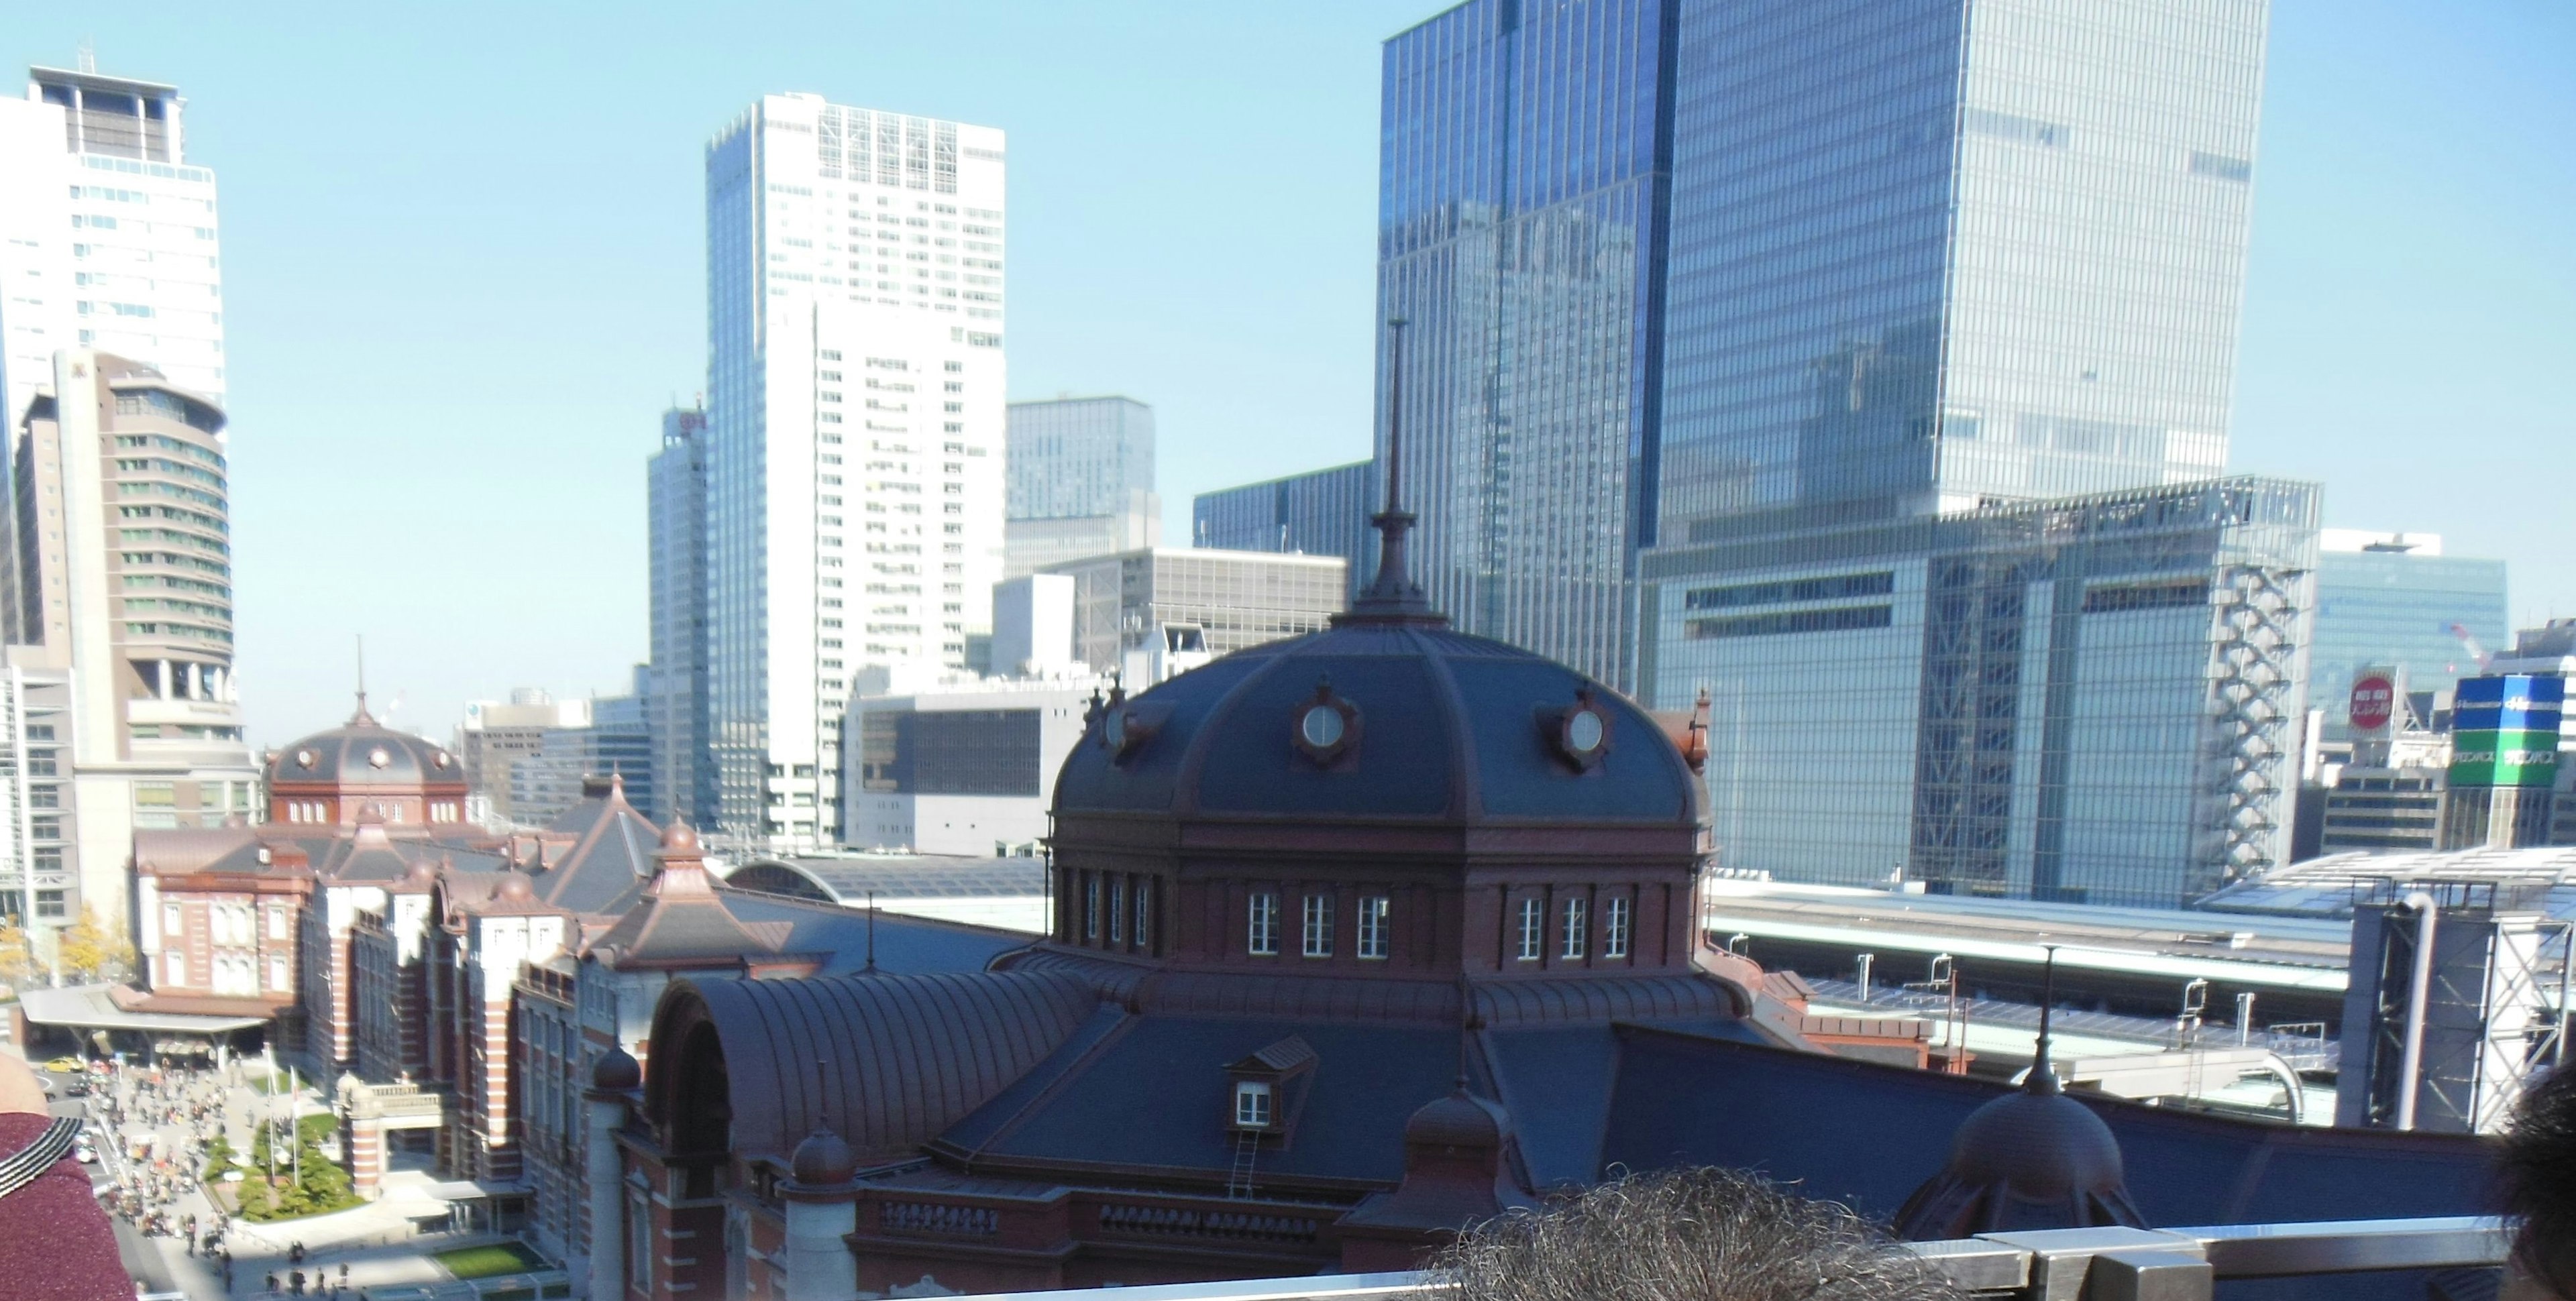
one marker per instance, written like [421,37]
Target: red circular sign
[2374,702]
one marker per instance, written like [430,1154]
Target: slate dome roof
[363,752]
[1440,725]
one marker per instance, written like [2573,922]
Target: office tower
[1148,615]
[1081,481]
[125,562]
[107,234]
[2084,700]
[571,763]
[497,735]
[855,432]
[675,690]
[1318,513]
[2392,600]
[1521,210]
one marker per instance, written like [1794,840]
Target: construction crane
[2469,643]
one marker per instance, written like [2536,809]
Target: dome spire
[1393,596]
[2043,1075]
[362,718]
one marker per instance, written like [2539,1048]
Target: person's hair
[2539,1170]
[1685,1235]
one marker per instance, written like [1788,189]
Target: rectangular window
[1251,1104]
[1373,910]
[639,1243]
[1614,929]
[1837,619]
[1532,930]
[1262,937]
[1090,907]
[277,974]
[1145,915]
[1835,587]
[173,922]
[1319,926]
[1118,910]
[1576,931]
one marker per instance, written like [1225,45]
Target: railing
[939,1217]
[2054,1265]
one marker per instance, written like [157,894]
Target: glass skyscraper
[674,687]
[1884,350]
[1991,252]
[1075,457]
[1522,191]
[2391,600]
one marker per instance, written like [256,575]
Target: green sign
[2510,757]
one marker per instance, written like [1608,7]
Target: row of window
[1107,913]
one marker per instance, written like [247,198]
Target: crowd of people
[180,1111]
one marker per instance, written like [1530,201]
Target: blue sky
[464,274]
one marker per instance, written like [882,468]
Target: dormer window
[1252,1104]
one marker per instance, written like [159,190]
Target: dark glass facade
[1321,513]
[1522,185]
[949,752]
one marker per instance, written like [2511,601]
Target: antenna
[2043,1075]
[872,930]
[88,55]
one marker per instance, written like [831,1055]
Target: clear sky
[464,273]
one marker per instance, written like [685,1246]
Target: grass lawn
[490,1259]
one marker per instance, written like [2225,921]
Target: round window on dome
[1325,726]
[379,757]
[1584,732]
[304,758]
[1321,727]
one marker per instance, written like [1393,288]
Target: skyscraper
[108,236]
[2391,600]
[675,682]
[1523,192]
[1726,280]
[855,432]
[1081,474]
[125,561]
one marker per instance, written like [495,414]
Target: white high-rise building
[855,421]
[107,234]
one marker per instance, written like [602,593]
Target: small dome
[616,1071]
[823,1160]
[423,872]
[1458,1120]
[679,835]
[2040,1146]
[515,888]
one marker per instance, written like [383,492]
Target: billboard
[2374,700]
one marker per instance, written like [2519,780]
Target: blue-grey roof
[1867,1135]
[1451,728]
[366,753]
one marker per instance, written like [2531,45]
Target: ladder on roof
[1247,1149]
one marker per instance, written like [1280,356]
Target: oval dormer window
[1322,726]
[1584,731]
[379,757]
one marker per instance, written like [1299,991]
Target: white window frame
[1090,906]
[1614,928]
[1261,936]
[1576,928]
[1533,929]
[1373,918]
[1145,914]
[1117,911]
[1316,935]
[1253,1105]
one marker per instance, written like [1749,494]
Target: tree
[93,951]
[17,954]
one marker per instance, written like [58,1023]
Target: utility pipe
[2410,1066]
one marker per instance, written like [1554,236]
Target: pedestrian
[295,1283]
[271,1284]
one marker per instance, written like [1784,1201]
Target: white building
[964,767]
[108,236]
[855,424]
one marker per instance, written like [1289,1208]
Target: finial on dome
[1393,596]
[2043,1075]
[362,718]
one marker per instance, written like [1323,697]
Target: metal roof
[89,1007]
[2329,886]
[849,880]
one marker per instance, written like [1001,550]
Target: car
[75,1087]
[84,1151]
[64,1065]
